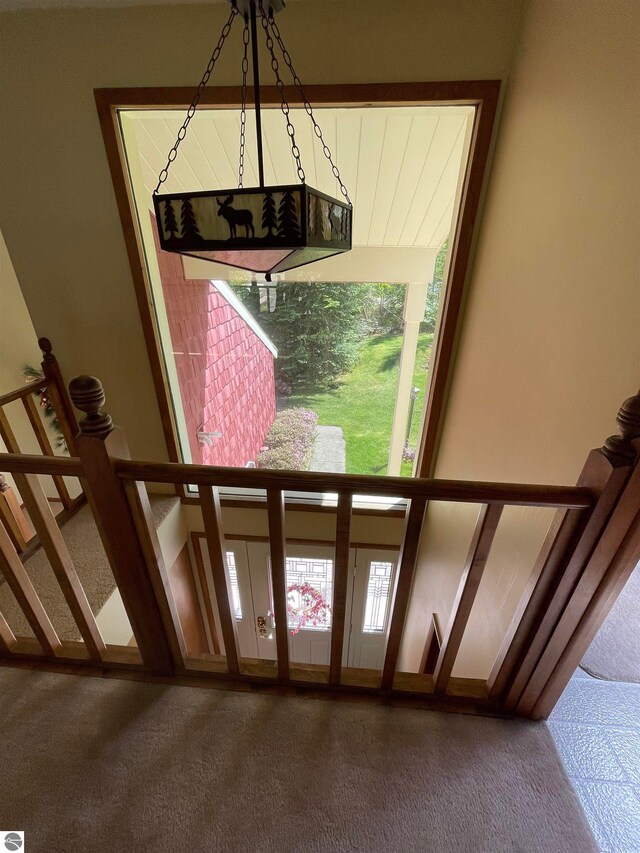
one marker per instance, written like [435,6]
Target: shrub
[289,442]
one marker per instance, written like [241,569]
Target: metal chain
[173,153]
[243,109]
[284,106]
[308,108]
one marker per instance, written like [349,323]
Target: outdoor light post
[413,396]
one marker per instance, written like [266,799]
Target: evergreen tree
[170,222]
[288,226]
[318,330]
[433,291]
[269,218]
[188,221]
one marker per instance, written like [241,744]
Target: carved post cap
[46,347]
[87,395]
[619,449]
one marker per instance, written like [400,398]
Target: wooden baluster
[212,518]
[148,537]
[57,392]
[7,637]
[99,444]
[20,585]
[479,549]
[407,560]
[340,584]
[275,512]
[214,646]
[45,446]
[12,516]
[46,526]
[592,587]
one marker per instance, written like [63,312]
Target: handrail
[29,463]
[24,391]
[515,494]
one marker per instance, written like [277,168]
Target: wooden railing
[12,516]
[592,543]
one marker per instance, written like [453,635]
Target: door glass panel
[309,594]
[233,578]
[377,603]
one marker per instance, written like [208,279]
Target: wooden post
[278,549]
[340,584]
[13,518]
[57,393]
[98,445]
[212,518]
[406,569]
[613,518]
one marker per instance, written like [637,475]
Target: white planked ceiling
[401,165]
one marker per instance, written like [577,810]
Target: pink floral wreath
[314,611]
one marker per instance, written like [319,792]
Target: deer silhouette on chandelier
[235,217]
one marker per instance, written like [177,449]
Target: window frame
[482,94]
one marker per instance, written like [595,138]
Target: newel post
[57,393]
[543,630]
[605,566]
[99,444]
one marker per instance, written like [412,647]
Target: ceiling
[401,165]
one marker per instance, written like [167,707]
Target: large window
[327,367]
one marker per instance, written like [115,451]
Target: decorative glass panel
[235,590]
[311,610]
[377,603]
[267,229]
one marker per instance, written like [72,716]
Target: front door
[309,596]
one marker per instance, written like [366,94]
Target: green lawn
[362,403]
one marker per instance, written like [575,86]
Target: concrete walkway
[330,450]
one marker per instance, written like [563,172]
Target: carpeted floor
[83,541]
[97,765]
[614,653]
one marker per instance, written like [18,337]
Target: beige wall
[18,348]
[18,340]
[58,210]
[551,339]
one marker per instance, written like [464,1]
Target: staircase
[591,548]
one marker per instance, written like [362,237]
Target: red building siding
[225,371]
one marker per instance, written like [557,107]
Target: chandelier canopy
[261,229]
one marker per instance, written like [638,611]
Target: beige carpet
[92,764]
[83,541]
[614,653]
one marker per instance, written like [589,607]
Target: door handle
[265,629]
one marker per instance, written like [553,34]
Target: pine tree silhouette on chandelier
[269,218]
[288,227]
[170,221]
[188,223]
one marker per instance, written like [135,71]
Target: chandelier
[264,229]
